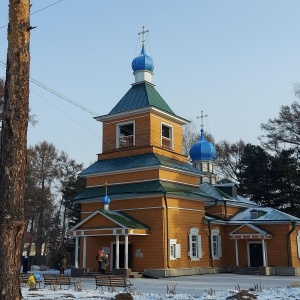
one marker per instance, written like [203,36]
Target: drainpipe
[225,209]
[167,230]
[209,243]
[288,241]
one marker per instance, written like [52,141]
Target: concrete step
[136,275]
[248,271]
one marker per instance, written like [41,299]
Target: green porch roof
[137,161]
[150,187]
[139,96]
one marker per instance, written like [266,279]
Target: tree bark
[13,149]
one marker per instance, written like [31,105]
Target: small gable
[98,220]
[105,222]
[248,231]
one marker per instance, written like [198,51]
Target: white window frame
[175,249]
[298,243]
[195,244]
[170,138]
[118,135]
[216,244]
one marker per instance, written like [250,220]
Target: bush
[124,296]
[242,295]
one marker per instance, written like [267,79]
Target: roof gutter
[225,209]
[288,242]
[209,243]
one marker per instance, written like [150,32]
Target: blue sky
[237,61]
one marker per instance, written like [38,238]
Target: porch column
[84,253]
[236,252]
[76,251]
[126,252]
[264,253]
[117,252]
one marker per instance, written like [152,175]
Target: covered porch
[256,246]
[105,223]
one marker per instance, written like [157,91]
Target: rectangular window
[175,249]
[216,246]
[166,137]
[195,251]
[125,135]
[298,243]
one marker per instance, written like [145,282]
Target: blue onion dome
[202,150]
[143,62]
[105,200]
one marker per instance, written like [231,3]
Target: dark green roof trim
[137,161]
[150,187]
[125,220]
[139,96]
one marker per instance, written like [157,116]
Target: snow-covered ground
[200,287]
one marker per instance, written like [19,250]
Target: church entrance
[122,256]
[256,254]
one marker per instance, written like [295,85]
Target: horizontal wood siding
[295,260]
[216,210]
[231,210]
[179,177]
[156,123]
[142,131]
[277,246]
[142,150]
[184,215]
[99,221]
[149,246]
[136,176]
[123,177]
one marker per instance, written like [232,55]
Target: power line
[38,10]
[48,89]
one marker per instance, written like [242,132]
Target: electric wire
[107,142]
[54,92]
[38,10]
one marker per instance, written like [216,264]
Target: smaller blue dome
[105,200]
[202,150]
[143,62]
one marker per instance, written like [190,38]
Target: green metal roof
[159,187]
[137,161]
[139,96]
[215,192]
[124,219]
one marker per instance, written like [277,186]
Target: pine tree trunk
[13,149]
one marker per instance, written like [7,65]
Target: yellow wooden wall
[136,176]
[147,131]
[293,244]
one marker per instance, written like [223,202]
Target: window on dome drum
[195,245]
[166,137]
[216,246]
[175,249]
[125,135]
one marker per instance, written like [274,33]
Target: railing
[126,141]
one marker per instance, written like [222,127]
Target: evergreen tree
[286,181]
[255,175]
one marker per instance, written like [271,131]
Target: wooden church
[151,211]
